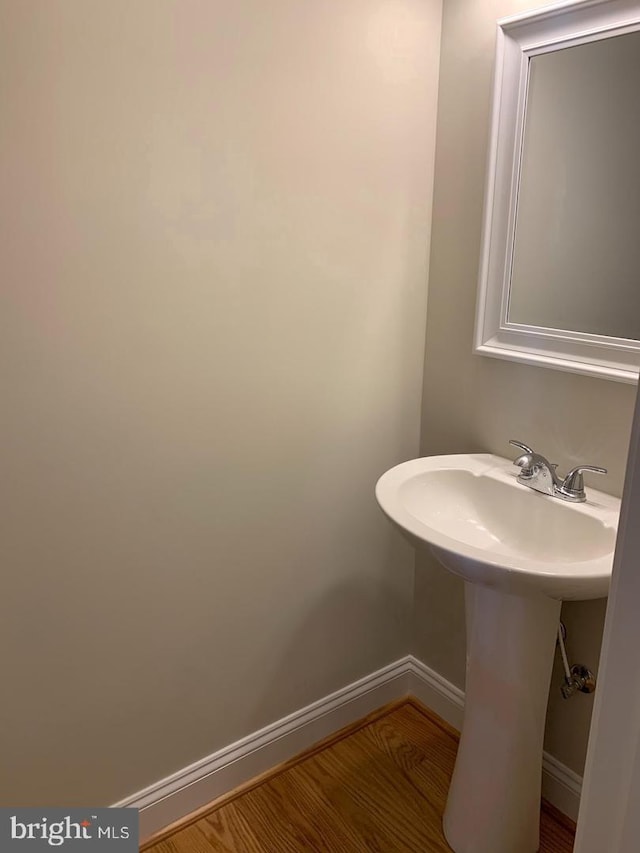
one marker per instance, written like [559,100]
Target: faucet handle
[520,445]
[573,484]
[526,461]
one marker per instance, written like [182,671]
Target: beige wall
[477,403]
[215,222]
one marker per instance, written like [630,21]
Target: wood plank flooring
[380,789]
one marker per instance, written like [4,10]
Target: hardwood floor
[380,789]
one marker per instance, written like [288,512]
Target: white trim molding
[191,788]
[609,814]
[176,796]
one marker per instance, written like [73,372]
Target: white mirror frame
[519,38]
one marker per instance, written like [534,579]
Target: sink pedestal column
[494,798]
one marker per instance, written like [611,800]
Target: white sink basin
[520,553]
[485,526]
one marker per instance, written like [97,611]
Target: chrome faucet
[539,474]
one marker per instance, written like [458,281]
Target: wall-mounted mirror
[560,267]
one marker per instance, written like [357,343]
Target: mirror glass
[576,258]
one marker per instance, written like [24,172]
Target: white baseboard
[189,789]
[561,786]
[434,691]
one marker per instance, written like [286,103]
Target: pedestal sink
[521,553]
